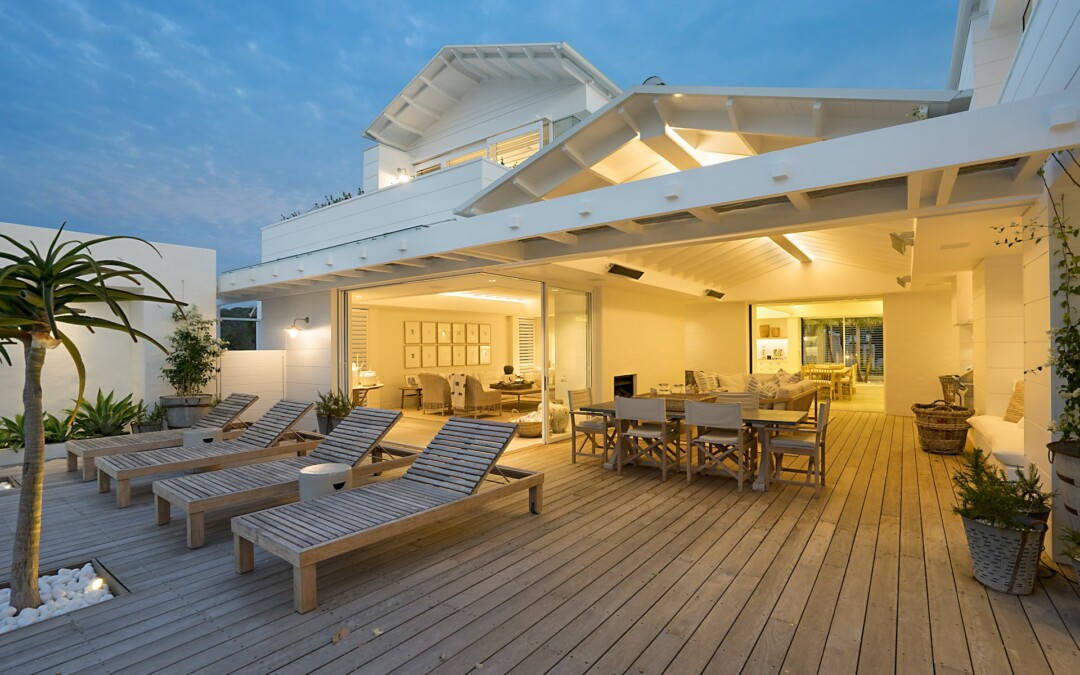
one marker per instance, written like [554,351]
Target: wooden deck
[620,574]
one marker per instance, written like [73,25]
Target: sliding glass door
[568,354]
[849,341]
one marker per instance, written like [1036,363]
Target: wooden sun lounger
[353,440]
[442,483]
[89,449]
[259,442]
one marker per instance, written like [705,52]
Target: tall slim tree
[41,296]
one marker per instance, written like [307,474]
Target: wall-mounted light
[903,281]
[294,328]
[403,176]
[901,241]
[713,294]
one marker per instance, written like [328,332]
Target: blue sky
[199,122]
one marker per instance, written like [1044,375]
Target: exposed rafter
[457,64]
[705,214]
[533,59]
[945,187]
[1028,166]
[506,252]
[415,262]
[421,107]
[514,66]
[818,115]
[567,238]
[789,246]
[437,89]
[407,127]
[577,159]
[800,200]
[490,68]
[914,190]
[627,226]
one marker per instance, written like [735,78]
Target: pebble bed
[63,592]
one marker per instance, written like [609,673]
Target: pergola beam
[567,238]
[945,187]
[790,247]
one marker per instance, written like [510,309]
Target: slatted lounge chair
[258,443]
[442,483]
[353,440]
[89,449]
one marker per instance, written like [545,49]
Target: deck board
[622,573]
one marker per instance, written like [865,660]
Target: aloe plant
[12,433]
[104,416]
[43,295]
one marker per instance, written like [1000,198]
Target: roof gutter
[963,28]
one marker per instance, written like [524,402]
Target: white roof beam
[661,139]
[577,159]
[415,262]
[514,66]
[379,137]
[482,63]
[627,226]
[421,107]
[1029,165]
[735,118]
[705,214]
[460,66]
[818,116]
[437,89]
[407,127]
[527,187]
[569,67]
[945,187]
[800,200]
[450,257]
[567,238]
[790,247]
[511,251]
[535,61]
[914,190]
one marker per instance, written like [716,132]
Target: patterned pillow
[1015,411]
[764,387]
[787,378]
[712,383]
[699,379]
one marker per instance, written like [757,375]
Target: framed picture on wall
[412,332]
[472,333]
[459,355]
[412,356]
[444,334]
[472,355]
[485,355]
[485,333]
[427,332]
[429,356]
[445,357]
[459,334]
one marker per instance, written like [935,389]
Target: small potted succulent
[331,408]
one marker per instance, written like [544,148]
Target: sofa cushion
[993,434]
[732,381]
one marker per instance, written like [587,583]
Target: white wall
[113,362]
[643,334]
[386,348]
[991,49]
[381,163]
[260,372]
[309,368]
[423,201]
[920,344]
[717,337]
[1048,56]
[997,331]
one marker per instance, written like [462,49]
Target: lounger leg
[72,461]
[196,530]
[104,483]
[243,554]
[304,588]
[376,457]
[536,499]
[123,493]
[164,513]
[89,468]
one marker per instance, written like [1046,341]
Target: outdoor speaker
[624,271]
[713,294]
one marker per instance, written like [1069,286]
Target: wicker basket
[677,402]
[527,429]
[942,427]
[1004,560]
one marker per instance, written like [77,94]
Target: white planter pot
[9,457]
[182,412]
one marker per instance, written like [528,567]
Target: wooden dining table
[758,418]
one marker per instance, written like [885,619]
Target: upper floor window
[509,148]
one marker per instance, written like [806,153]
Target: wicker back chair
[436,393]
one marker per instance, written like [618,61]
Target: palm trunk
[24,554]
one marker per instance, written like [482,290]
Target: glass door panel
[568,354]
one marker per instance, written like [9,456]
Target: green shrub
[103,416]
[12,433]
[987,495]
[333,404]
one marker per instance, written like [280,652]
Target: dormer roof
[455,70]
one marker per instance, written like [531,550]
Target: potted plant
[13,437]
[146,420]
[192,362]
[1004,521]
[330,409]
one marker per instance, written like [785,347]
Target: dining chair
[598,431]
[808,442]
[720,439]
[647,433]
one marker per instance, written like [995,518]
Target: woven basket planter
[942,427]
[1004,560]
[1067,469]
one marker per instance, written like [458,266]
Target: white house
[505,180]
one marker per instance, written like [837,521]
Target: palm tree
[39,293]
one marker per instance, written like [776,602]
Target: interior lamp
[294,328]
[902,241]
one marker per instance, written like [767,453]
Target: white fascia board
[973,137]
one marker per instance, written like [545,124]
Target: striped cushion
[1015,410]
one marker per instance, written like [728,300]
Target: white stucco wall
[643,334]
[997,331]
[920,344]
[1048,55]
[717,337]
[113,361]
